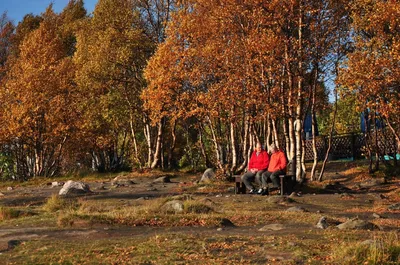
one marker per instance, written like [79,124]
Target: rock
[13,243]
[220,229]
[74,187]
[322,223]
[10,188]
[357,224]
[394,206]
[208,176]
[57,184]
[383,197]
[377,216]
[226,222]
[272,227]
[164,179]
[296,209]
[121,181]
[230,189]
[101,188]
[174,206]
[1,194]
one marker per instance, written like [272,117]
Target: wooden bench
[239,185]
[288,182]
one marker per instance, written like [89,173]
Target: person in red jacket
[258,164]
[277,166]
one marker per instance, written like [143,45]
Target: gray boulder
[208,176]
[322,223]
[354,224]
[164,179]
[74,188]
[272,227]
[174,206]
[122,181]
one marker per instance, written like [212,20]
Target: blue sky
[17,9]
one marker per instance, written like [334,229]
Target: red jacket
[259,162]
[278,162]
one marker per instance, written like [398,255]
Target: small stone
[56,184]
[10,188]
[296,209]
[377,216]
[1,194]
[220,229]
[13,243]
[226,222]
[322,223]
[394,206]
[218,195]
[231,189]
[272,227]
[164,179]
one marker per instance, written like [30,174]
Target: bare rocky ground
[346,194]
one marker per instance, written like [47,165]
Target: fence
[352,146]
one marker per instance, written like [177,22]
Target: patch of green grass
[196,207]
[55,203]
[7,213]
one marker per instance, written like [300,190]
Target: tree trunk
[275,132]
[157,153]
[216,145]
[314,125]
[233,146]
[321,174]
[298,127]
[147,135]
[245,144]
[173,144]
[135,146]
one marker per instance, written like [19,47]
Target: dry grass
[379,251]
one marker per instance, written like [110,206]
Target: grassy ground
[130,224]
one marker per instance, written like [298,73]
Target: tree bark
[157,153]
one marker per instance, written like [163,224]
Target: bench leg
[282,183]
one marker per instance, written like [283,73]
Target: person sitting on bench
[258,163]
[277,166]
